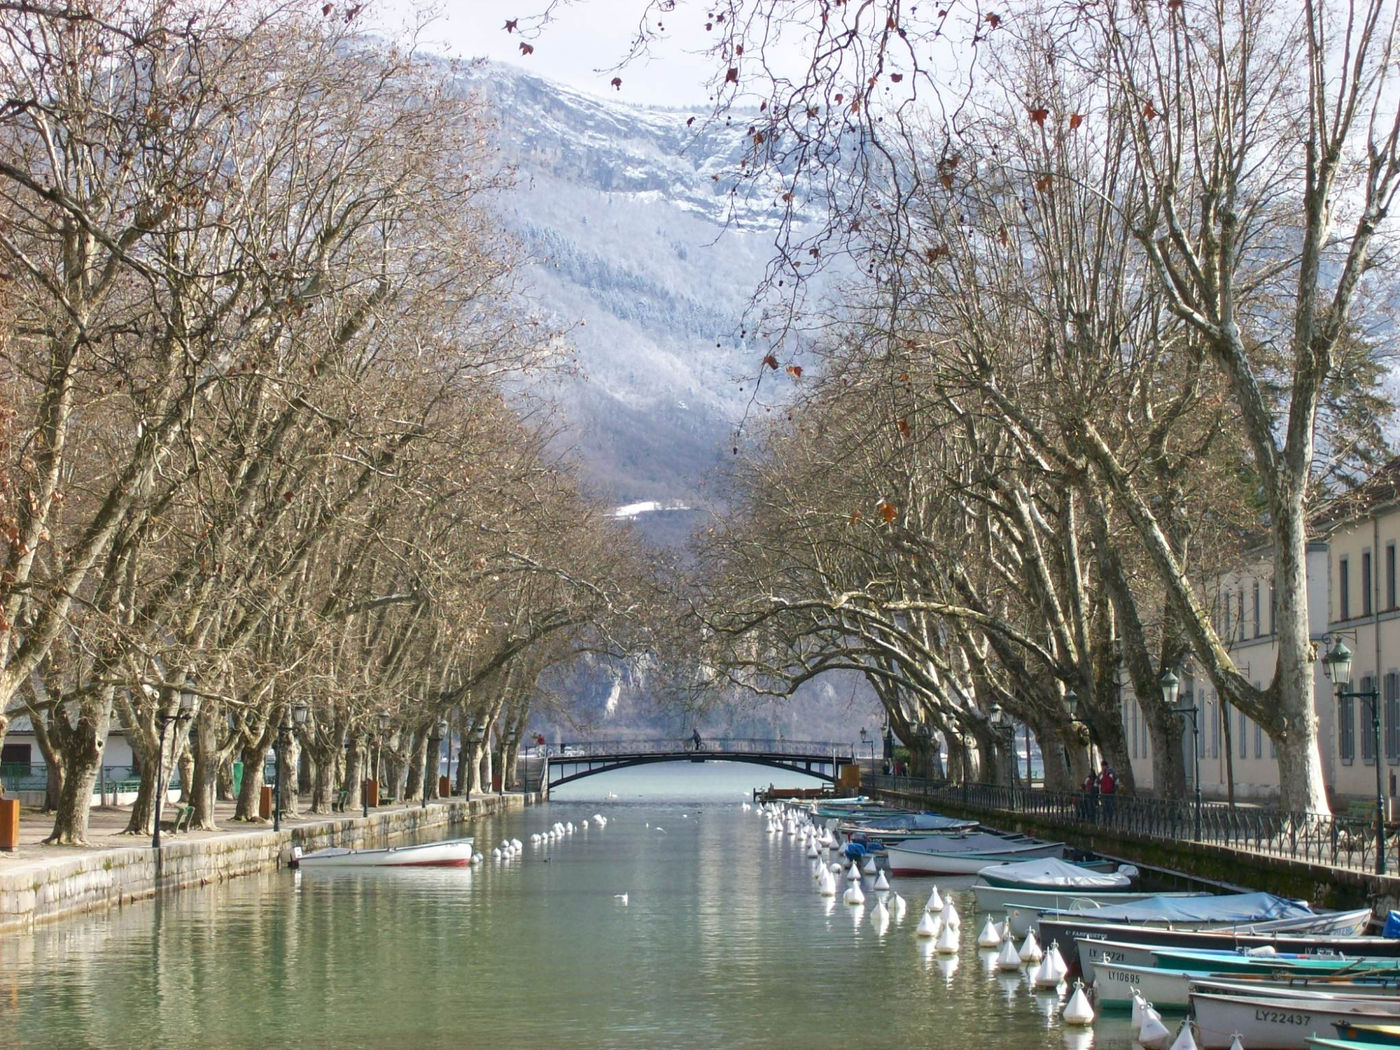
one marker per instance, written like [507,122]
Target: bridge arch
[571,762]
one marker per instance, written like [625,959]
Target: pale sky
[585,36]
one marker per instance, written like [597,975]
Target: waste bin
[9,824]
[371,792]
[237,779]
[444,787]
[496,783]
[265,803]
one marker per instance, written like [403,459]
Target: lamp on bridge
[1337,666]
[183,714]
[864,740]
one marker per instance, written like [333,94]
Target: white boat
[1115,983]
[1052,873]
[1170,989]
[967,854]
[454,853]
[1283,1023]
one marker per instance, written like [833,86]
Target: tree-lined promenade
[1114,318]
[1120,311]
[256,454]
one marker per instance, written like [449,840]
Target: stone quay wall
[66,885]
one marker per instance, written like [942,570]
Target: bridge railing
[708,746]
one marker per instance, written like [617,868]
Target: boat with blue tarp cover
[1209,910]
[899,826]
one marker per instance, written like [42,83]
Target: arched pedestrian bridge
[817,758]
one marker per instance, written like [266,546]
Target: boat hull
[1023,906]
[965,854]
[454,854]
[1077,936]
[1276,1024]
[1115,983]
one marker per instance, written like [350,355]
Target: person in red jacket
[1108,784]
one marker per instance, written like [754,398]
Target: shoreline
[42,884]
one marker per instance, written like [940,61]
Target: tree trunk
[251,795]
[204,776]
[224,778]
[1164,734]
[289,759]
[82,759]
[323,779]
[416,772]
[1295,730]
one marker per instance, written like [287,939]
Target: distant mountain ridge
[636,239]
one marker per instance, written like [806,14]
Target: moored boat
[1077,936]
[1115,983]
[1170,989]
[1370,1034]
[1258,960]
[1281,1023]
[1023,908]
[965,854]
[898,827]
[453,853]
[1053,873]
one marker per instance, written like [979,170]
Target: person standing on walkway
[1089,803]
[1108,785]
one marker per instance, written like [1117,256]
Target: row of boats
[1252,970]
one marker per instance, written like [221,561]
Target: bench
[387,800]
[1362,811]
[342,799]
[182,821]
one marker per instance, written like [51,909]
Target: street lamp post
[379,753]
[445,731]
[1007,731]
[284,737]
[1170,686]
[865,739]
[1337,666]
[163,719]
[365,777]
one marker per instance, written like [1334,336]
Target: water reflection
[720,946]
[948,966]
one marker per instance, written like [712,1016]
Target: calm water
[723,942]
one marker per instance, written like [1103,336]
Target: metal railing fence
[1339,841]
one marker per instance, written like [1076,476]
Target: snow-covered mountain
[639,241]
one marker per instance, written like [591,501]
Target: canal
[721,941]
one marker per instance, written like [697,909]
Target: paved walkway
[107,823]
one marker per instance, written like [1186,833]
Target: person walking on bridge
[695,738]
